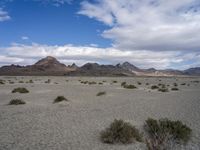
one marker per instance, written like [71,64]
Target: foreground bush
[165,133]
[60,99]
[174,89]
[153,87]
[120,132]
[101,93]
[20,90]
[17,102]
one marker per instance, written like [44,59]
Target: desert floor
[76,124]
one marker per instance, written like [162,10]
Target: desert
[76,123]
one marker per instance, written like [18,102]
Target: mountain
[45,66]
[94,69]
[193,71]
[50,66]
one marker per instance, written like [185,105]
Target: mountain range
[52,67]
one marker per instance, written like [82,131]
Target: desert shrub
[139,83]
[175,84]
[183,83]
[123,84]
[21,81]
[153,87]
[93,82]
[60,99]
[17,102]
[2,82]
[174,89]
[114,81]
[20,90]
[100,83]
[147,83]
[130,86]
[30,81]
[120,132]
[104,81]
[48,81]
[101,93]
[165,133]
[163,89]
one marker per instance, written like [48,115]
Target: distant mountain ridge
[50,66]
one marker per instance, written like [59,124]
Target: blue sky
[49,24]
[159,34]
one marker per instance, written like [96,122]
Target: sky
[147,33]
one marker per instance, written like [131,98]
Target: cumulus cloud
[148,24]
[4,16]
[68,54]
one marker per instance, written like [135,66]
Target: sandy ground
[75,125]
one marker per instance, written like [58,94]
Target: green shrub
[139,83]
[93,82]
[17,102]
[21,81]
[153,87]
[100,83]
[20,90]
[114,81]
[174,89]
[123,84]
[130,86]
[60,99]
[2,82]
[175,84]
[101,93]
[120,132]
[164,131]
[163,89]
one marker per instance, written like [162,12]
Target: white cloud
[148,24]
[4,15]
[24,37]
[55,2]
[29,54]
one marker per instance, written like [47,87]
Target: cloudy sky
[148,33]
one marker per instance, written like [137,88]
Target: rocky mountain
[94,69]
[51,66]
[45,66]
[193,71]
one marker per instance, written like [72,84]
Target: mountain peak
[49,60]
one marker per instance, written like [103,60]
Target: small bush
[153,87]
[139,83]
[21,81]
[164,131]
[163,89]
[114,81]
[60,99]
[123,84]
[130,86]
[20,90]
[17,102]
[2,82]
[48,81]
[100,83]
[174,89]
[175,84]
[120,132]
[183,84]
[101,93]
[93,82]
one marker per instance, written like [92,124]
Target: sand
[76,124]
